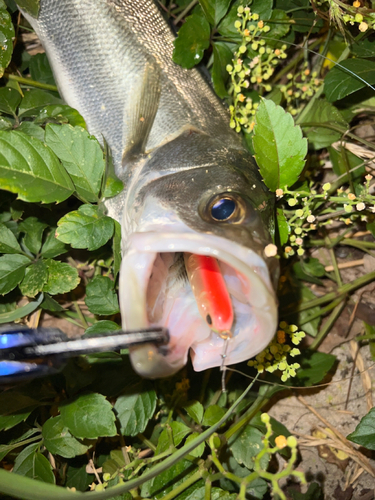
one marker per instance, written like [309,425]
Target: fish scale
[171,144]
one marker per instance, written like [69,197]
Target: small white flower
[311,218]
[360,206]
[270,250]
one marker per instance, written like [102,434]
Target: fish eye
[223,209]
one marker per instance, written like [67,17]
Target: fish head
[196,195]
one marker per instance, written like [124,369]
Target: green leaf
[303,319]
[12,271]
[343,161]
[195,410]
[36,277]
[19,441]
[316,123]
[31,129]
[313,493]
[50,304]
[101,297]
[35,100]
[245,446]
[14,402]
[193,39]
[282,225]
[363,48]
[58,439]
[222,57]
[86,227]
[30,6]
[89,416]
[212,415]
[61,277]
[309,270]
[20,312]
[59,113]
[111,184]
[199,450]
[6,123]
[8,242]
[78,478]
[348,77]
[6,40]
[81,155]
[179,432]
[364,433]
[215,10]
[9,421]
[33,464]
[33,229]
[30,169]
[279,24]
[40,70]
[168,480]
[135,409]
[9,99]
[103,326]
[314,367]
[52,247]
[279,147]
[216,494]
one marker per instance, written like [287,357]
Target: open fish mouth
[155,291]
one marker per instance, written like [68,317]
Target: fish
[191,187]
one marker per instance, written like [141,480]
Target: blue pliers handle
[26,352]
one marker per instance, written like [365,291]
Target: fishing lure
[27,352]
[210,292]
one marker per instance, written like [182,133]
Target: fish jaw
[248,282]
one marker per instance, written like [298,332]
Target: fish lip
[143,248]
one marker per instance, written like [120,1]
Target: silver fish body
[172,146]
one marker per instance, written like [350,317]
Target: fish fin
[142,113]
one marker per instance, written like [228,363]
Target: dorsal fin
[142,112]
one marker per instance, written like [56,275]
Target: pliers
[28,353]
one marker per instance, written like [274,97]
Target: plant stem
[30,82]
[328,325]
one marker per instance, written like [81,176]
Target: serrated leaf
[245,446]
[135,409]
[193,39]
[19,441]
[33,229]
[364,433]
[12,271]
[6,40]
[101,297]
[195,410]
[321,114]
[178,431]
[81,155]
[86,227]
[30,169]
[30,6]
[59,113]
[62,277]
[215,494]
[36,277]
[52,247]
[215,10]
[212,415]
[31,463]
[89,416]
[8,242]
[34,100]
[9,421]
[78,478]
[279,147]
[9,100]
[40,69]
[50,304]
[348,77]
[222,57]
[57,439]
[282,225]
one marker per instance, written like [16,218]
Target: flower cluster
[300,88]
[253,64]
[275,355]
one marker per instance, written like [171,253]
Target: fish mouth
[155,291]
